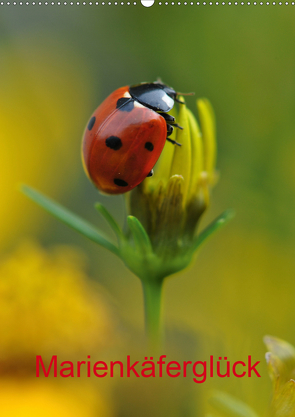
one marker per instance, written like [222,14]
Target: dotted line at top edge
[146,3]
[67,3]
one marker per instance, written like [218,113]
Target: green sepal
[229,406]
[213,227]
[110,219]
[140,236]
[69,218]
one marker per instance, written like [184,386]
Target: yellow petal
[182,159]
[275,368]
[282,350]
[207,120]
[197,153]
[283,404]
[163,166]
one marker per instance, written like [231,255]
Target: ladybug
[126,135]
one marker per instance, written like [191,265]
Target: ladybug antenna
[186,94]
[182,94]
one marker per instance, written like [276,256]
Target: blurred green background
[58,63]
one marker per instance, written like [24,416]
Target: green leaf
[219,222]
[70,219]
[230,406]
[141,239]
[109,218]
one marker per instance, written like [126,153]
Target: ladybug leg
[169,129]
[170,120]
[177,125]
[167,117]
[169,132]
[173,141]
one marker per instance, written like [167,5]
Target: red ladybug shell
[121,145]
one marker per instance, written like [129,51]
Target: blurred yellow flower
[31,398]
[281,367]
[48,307]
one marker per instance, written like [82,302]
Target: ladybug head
[168,90]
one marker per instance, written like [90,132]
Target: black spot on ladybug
[125,104]
[120,182]
[149,146]
[91,123]
[114,143]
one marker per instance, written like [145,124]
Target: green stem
[152,291]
